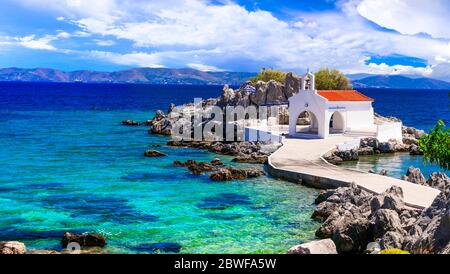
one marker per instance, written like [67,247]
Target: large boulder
[386,220]
[275,93]
[222,174]
[12,247]
[291,85]
[325,246]
[348,155]
[353,237]
[387,147]
[431,234]
[439,180]
[414,175]
[84,240]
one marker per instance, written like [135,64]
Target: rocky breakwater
[353,218]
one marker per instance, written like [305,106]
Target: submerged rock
[165,247]
[154,153]
[216,162]
[130,123]
[84,240]
[326,246]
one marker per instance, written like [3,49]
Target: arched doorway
[337,123]
[307,123]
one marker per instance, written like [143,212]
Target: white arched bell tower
[309,81]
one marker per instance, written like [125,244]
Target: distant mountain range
[184,76]
[399,82]
[188,76]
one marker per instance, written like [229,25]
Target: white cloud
[140,59]
[409,16]
[104,43]
[203,67]
[32,42]
[208,36]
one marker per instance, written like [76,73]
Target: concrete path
[303,158]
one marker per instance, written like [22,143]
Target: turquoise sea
[68,165]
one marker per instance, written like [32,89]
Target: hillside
[185,76]
[399,82]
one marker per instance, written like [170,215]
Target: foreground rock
[84,240]
[12,247]
[218,173]
[353,218]
[326,246]
[230,173]
[154,153]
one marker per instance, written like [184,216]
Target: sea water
[67,164]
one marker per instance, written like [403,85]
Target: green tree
[331,79]
[436,146]
[266,75]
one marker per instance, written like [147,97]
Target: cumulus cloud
[222,34]
[31,42]
[409,16]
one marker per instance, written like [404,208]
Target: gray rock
[392,239]
[414,175]
[415,150]
[369,142]
[439,180]
[386,147]
[348,155]
[325,246]
[291,85]
[366,151]
[386,220]
[275,93]
[354,236]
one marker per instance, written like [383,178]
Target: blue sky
[355,36]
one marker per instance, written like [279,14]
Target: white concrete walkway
[303,156]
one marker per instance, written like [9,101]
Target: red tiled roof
[344,95]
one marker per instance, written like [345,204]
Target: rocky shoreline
[360,222]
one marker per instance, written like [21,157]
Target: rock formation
[84,240]
[154,153]
[353,218]
[325,246]
[12,247]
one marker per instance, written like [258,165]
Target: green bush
[436,146]
[331,79]
[393,251]
[266,75]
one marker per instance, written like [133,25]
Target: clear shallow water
[68,165]
[396,164]
[417,108]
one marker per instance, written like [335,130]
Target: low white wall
[263,135]
[388,131]
[352,144]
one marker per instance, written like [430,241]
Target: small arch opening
[307,123]
[337,123]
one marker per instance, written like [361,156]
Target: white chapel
[335,112]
